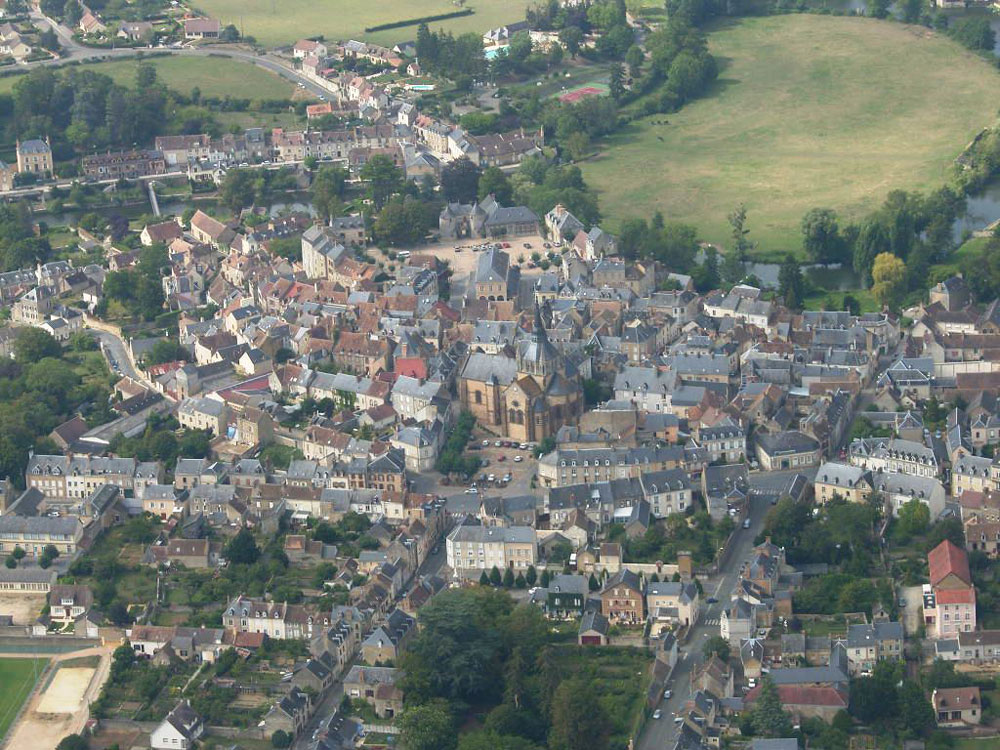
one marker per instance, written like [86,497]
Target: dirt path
[44,731]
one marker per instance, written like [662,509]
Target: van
[403,254]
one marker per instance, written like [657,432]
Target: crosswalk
[711,621]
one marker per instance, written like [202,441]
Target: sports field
[582,92]
[275,23]
[215,76]
[17,676]
[809,111]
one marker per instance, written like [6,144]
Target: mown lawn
[809,111]
[214,76]
[18,678]
[274,23]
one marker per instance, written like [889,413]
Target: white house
[180,729]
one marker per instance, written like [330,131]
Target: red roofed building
[957,707]
[413,367]
[950,598]
[804,701]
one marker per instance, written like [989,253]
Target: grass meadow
[809,111]
[215,76]
[277,23]
[18,678]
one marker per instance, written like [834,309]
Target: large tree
[383,177]
[328,191]
[821,236]
[34,344]
[578,719]
[888,278]
[768,715]
[791,285]
[428,727]
[460,180]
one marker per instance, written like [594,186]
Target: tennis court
[582,92]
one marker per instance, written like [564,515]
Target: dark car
[711,600]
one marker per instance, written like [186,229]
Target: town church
[527,397]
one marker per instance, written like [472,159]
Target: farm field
[215,76]
[809,111]
[18,678]
[284,23]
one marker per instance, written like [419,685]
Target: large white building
[472,549]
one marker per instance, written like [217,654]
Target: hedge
[418,21]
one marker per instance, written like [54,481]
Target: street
[660,734]
[324,712]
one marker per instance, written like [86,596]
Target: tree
[508,578]
[230,34]
[571,37]
[327,191]
[577,145]
[72,742]
[484,579]
[767,715]
[592,583]
[634,58]
[732,269]
[888,278]
[531,577]
[428,727]
[578,718]
[742,245]
[915,710]
[912,10]
[791,285]
[716,645]
[494,182]
[821,236]
[544,581]
[520,581]
[238,189]
[879,8]
[974,33]
[383,177]
[242,549]
[914,517]
[34,345]
[460,180]
[495,577]
[616,82]
[873,239]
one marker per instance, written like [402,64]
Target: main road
[661,734]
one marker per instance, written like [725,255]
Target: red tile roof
[956,596]
[947,559]
[799,695]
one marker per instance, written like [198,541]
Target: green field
[18,678]
[215,76]
[283,23]
[809,111]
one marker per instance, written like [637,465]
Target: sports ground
[17,676]
[809,111]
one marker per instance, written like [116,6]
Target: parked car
[667,694]
[746,523]
[518,459]
[472,491]
[657,714]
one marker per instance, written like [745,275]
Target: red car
[502,458]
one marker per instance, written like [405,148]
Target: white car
[486,443]
[518,459]
[491,478]
[496,444]
[657,714]
[472,491]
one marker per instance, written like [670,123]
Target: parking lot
[500,462]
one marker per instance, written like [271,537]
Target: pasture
[809,111]
[275,23]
